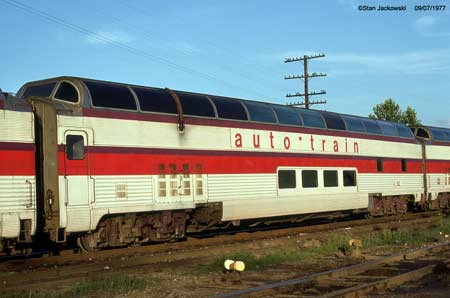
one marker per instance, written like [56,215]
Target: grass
[98,287]
[254,262]
[414,237]
[334,244]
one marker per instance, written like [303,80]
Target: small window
[260,112]
[379,164]
[330,178]
[311,118]
[228,108]
[286,179]
[388,129]
[108,95]
[422,133]
[287,115]
[43,90]
[67,92]
[349,178]
[333,121]
[155,100]
[353,123]
[196,105]
[309,178]
[372,126]
[404,165]
[75,147]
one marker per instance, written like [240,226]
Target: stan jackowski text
[382,8]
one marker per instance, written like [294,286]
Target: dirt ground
[198,272]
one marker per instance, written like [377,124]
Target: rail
[329,277]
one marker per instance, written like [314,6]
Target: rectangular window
[198,178]
[330,178]
[309,178]
[162,180]
[185,185]
[379,164]
[75,147]
[198,184]
[286,179]
[404,167]
[349,178]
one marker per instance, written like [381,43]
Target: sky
[237,48]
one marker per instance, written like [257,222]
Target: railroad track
[356,280]
[75,266]
[227,237]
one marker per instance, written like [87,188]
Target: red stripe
[104,163]
[438,166]
[91,112]
[17,162]
[2,104]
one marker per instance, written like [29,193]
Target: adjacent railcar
[17,176]
[114,164]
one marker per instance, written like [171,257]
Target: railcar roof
[142,99]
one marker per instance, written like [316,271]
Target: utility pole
[305,77]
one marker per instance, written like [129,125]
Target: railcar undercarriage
[140,228]
[135,228]
[162,226]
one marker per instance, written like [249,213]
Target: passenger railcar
[114,164]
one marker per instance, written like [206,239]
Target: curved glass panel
[111,96]
[388,129]
[228,108]
[333,121]
[372,126]
[353,123]
[439,134]
[260,112]
[67,92]
[404,131]
[43,90]
[311,118]
[155,100]
[196,105]
[287,116]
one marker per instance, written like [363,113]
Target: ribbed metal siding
[16,126]
[232,187]
[389,182]
[16,193]
[437,181]
[139,189]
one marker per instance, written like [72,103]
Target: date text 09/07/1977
[402,8]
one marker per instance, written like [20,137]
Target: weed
[103,286]
[334,244]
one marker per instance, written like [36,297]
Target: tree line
[389,110]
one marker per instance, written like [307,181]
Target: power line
[121,45]
[229,51]
[305,77]
[149,37]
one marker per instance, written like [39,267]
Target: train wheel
[87,243]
